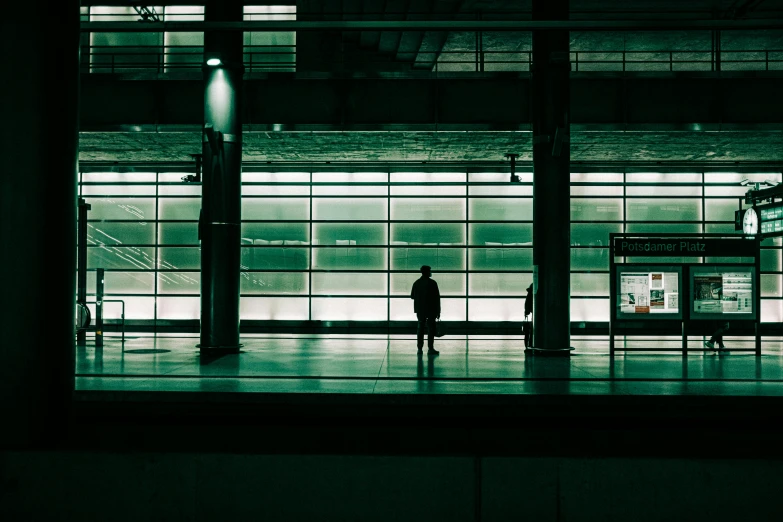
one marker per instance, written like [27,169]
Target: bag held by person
[440,329]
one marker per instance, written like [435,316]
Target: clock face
[750,222]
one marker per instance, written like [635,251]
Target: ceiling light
[214,62]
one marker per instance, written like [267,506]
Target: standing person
[527,325]
[717,337]
[426,305]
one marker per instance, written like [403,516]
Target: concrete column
[39,98]
[551,182]
[221,182]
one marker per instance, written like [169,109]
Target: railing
[283,58]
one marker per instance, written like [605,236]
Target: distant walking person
[527,325]
[426,305]
[717,337]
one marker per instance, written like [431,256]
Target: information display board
[648,292]
[723,292]
[770,218]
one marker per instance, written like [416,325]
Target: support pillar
[81,264]
[39,99]
[220,220]
[551,182]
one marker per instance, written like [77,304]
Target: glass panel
[664,210]
[500,258]
[663,228]
[428,209]
[119,177]
[771,310]
[437,258]
[589,310]
[121,208]
[179,283]
[428,233]
[713,228]
[118,190]
[510,209]
[275,190]
[737,177]
[721,209]
[429,177]
[276,233]
[350,258]
[590,285]
[428,190]
[349,284]
[179,258]
[516,234]
[499,284]
[185,209]
[273,283]
[517,189]
[275,177]
[273,258]
[173,177]
[600,190]
[120,258]
[497,310]
[280,209]
[274,308]
[498,177]
[770,260]
[140,233]
[663,177]
[350,178]
[349,233]
[178,233]
[350,190]
[123,283]
[771,285]
[448,284]
[135,308]
[593,234]
[179,308]
[596,209]
[653,190]
[736,192]
[192,54]
[597,177]
[451,309]
[349,309]
[364,209]
[270,50]
[589,259]
[179,190]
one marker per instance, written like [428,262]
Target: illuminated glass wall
[346,246]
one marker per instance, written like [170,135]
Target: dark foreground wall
[172,487]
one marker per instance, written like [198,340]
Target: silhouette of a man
[527,325]
[426,305]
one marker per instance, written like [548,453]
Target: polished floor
[390,365]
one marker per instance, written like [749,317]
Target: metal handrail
[122,315]
[283,57]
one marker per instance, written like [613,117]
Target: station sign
[677,247]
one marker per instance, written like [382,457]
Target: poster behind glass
[649,292]
[719,292]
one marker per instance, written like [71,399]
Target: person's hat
[529,288]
